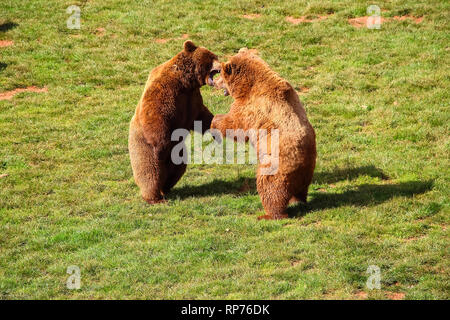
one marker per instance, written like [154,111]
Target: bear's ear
[189,46]
[227,68]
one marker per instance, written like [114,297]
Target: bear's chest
[187,108]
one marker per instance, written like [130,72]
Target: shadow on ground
[7,26]
[3,66]
[214,188]
[348,174]
[363,195]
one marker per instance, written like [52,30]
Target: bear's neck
[184,69]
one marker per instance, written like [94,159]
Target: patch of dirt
[395,295]
[100,32]
[8,95]
[295,262]
[361,295]
[361,22]
[304,19]
[251,16]
[415,19]
[162,40]
[6,43]
[4,175]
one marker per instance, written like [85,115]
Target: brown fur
[263,100]
[171,100]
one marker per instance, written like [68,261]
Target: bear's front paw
[216,121]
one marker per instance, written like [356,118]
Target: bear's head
[200,63]
[240,73]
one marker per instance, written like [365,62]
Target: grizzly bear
[264,100]
[171,100]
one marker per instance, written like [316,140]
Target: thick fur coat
[171,100]
[263,100]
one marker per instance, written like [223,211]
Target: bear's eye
[228,69]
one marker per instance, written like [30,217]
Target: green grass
[378,100]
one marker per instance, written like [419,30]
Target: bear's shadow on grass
[363,195]
[214,188]
[6,26]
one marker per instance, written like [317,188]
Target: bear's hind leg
[299,197]
[152,184]
[149,173]
[174,174]
[274,197]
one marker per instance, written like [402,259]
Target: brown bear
[171,100]
[263,100]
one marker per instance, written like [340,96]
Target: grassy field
[378,100]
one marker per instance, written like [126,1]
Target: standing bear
[171,100]
[263,100]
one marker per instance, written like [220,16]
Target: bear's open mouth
[211,77]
